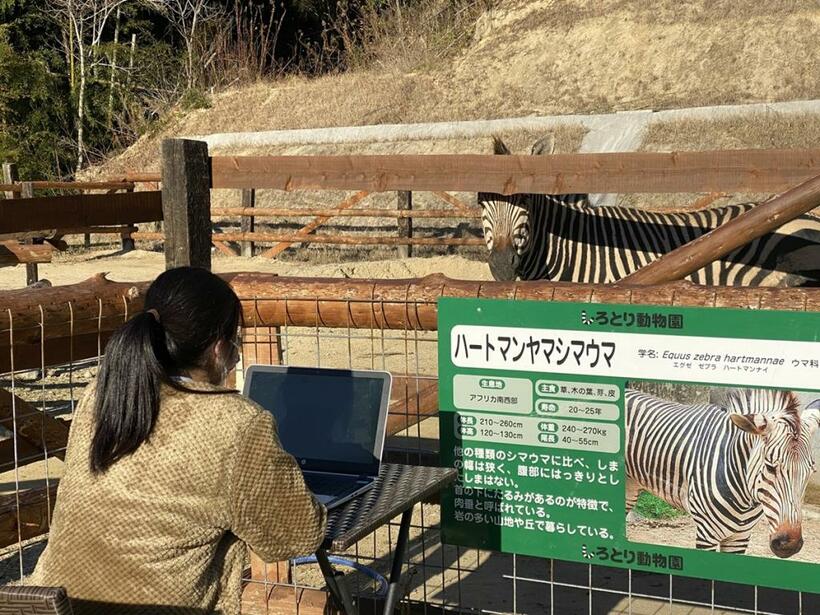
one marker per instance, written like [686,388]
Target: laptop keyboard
[334,486]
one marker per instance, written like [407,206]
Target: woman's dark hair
[187,310]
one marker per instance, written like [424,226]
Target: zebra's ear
[544,145]
[756,424]
[500,148]
[812,414]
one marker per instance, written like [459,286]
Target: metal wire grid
[37,397]
[448,578]
[441,578]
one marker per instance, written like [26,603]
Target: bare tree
[86,21]
[188,18]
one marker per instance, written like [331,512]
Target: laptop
[332,421]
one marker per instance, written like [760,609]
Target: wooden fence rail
[80,210]
[747,227]
[359,240]
[69,185]
[716,171]
[271,212]
[40,234]
[624,172]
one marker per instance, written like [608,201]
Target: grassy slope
[544,57]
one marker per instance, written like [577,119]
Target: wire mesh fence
[450,578]
[52,355]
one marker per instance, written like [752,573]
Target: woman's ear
[221,360]
[219,351]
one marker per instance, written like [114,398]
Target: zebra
[562,238]
[726,467]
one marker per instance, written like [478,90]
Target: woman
[168,474]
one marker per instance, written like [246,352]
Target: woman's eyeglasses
[237,342]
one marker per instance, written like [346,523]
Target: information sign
[673,440]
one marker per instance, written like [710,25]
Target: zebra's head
[505,220]
[781,463]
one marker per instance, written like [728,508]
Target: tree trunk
[81,107]
[113,69]
[70,53]
[189,41]
[190,69]
[131,61]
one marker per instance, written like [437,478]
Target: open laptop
[332,421]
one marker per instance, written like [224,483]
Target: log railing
[98,305]
[718,243]
[79,317]
[42,327]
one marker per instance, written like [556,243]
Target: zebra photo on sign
[722,469]
[561,237]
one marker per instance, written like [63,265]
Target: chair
[30,600]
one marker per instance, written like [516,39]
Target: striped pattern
[31,600]
[561,238]
[726,467]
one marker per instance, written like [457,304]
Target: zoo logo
[585,553]
[585,319]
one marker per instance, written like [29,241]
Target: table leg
[398,561]
[337,587]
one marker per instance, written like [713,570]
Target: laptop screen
[329,420]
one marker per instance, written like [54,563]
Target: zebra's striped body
[726,468]
[562,238]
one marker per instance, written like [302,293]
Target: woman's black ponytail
[128,390]
[188,310]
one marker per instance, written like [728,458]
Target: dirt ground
[680,532]
[139,265]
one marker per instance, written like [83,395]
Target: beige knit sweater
[164,530]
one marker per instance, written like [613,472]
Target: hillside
[542,57]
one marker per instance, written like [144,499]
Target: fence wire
[39,396]
[447,578]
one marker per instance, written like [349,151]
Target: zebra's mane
[769,402]
[627,212]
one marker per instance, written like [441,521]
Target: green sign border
[706,322]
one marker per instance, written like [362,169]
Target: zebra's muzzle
[504,263]
[787,542]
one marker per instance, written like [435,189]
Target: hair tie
[153,313]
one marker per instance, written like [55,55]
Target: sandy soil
[138,265]
[546,57]
[680,532]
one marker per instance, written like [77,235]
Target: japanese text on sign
[666,357]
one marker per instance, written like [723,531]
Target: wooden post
[186,203]
[9,177]
[127,240]
[247,222]
[405,202]
[86,236]
[32,274]
[716,244]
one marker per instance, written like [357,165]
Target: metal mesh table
[397,489]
